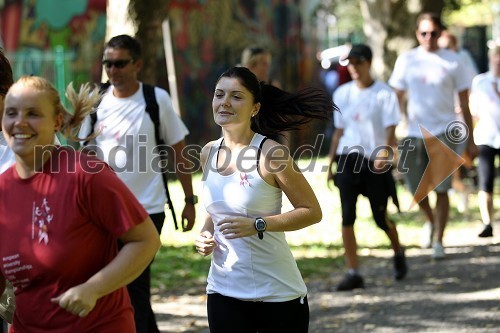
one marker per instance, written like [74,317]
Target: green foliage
[178,267]
[452,4]
[469,12]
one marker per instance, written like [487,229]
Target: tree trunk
[148,16]
[389,26]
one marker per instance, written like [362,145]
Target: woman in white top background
[254,284]
[485,105]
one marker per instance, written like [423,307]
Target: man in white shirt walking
[429,77]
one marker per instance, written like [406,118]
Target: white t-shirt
[485,105]
[364,116]
[127,142]
[7,157]
[468,63]
[431,80]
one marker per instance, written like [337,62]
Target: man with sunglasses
[126,138]
[428,77]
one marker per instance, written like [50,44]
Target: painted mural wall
[43,36]
[58,39]
[208,37]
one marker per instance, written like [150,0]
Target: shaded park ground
[460,293]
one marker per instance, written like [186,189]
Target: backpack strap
[153,109]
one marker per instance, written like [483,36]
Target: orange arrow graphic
[443,162]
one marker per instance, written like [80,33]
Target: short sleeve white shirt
[431,80]
[127,142]
[364,116]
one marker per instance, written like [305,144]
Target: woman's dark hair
[6,77]
[281,111]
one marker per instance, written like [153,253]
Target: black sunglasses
[117,63]
[433,34]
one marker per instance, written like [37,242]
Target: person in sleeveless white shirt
[254,284]
[365,128]
[430,77]
[485,106]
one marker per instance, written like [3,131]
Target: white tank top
[248,268]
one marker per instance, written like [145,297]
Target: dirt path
[459,294]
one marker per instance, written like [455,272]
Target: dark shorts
[227,314]
[355,175]
[416,162]
[486,167]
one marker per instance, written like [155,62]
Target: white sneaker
[426,236]
[463,200]
[438,251]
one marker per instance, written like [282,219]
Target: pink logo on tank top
[244,179]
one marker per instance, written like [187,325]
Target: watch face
[260,225]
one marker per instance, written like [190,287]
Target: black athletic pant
[227,314]
[355,175]
[140,292]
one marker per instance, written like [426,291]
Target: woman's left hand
[77,300]
[237,227]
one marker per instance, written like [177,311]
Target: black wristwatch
[260,226]
[193,200]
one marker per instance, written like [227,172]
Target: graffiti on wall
[208,37]
[32,32]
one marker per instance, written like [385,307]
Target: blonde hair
[495,49]
[82,102]
[251,54]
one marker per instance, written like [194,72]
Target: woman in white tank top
[254,284]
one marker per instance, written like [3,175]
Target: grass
[317,249]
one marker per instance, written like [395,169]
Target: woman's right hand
[205,243]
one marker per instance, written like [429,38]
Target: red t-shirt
[57,229]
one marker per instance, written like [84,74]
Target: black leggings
[227,315]
[140,291]
[486,169]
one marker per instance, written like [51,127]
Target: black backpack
[153,110]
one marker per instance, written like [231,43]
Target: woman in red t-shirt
[61,214]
